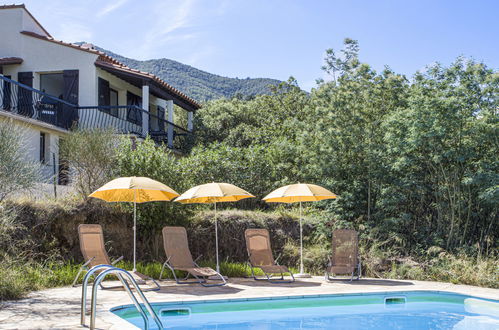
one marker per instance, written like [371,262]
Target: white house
[54,86]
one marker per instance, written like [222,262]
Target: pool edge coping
[109,311]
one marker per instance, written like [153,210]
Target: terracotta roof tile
[106,59]
[122,67]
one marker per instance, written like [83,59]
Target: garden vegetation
[412,159]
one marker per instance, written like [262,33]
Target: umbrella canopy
[214,193]
[299,192]
[135,190]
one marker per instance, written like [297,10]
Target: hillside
[198,84]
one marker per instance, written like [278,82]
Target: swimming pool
[388,310]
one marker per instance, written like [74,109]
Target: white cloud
[69,26]
[110,8]
[196,57]
[172,21]
[73,31]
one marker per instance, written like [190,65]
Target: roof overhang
[157,87]
[10,60]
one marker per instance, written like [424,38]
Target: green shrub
[17,171]
[91,157]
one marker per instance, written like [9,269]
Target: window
[42,147]
[161,115]
[52,84]
[113,101]
[108,98]
[103,92]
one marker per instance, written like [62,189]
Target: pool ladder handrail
[106,270]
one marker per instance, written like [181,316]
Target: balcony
[20,100]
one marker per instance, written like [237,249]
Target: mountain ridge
[197,84]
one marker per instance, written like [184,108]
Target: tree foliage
[414,161]
[91,156]
[16,171]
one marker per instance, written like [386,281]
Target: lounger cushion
[341,269]
[199,271]
[274,269]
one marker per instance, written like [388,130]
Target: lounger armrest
[194,261]
[115,261]
[276,260]
[87,262]
[249,259]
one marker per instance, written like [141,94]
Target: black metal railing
[125,119]
[25,101]
[166,132]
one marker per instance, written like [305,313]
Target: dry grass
[38,243]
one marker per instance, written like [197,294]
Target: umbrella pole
[301,245]
[216,237]
[302,273]
[134,229]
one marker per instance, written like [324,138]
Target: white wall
[11,24]
[44,56]
[122,87]
[28,24]
[31,135]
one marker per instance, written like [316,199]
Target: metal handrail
[119,273]
[84,289]
[31,89]
[167,122]
[22,100]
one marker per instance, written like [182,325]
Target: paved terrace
[59,308]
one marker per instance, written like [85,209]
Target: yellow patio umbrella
[214,193]
[135,190]
[300,192]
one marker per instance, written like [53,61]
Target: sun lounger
[179,258]
[345,258]
[94,252]
[93,249]
[260,256]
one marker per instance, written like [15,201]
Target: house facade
[52,87]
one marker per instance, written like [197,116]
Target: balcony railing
[126,119]
[28,102]
[174,136]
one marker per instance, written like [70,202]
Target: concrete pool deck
[59,308]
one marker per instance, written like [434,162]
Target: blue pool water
[401,310]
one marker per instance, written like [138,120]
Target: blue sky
[279,38]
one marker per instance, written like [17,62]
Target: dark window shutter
[25,78]
[134,115]
[24,96]
[71,86]
[104,93]
[67,116]
[7,94]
